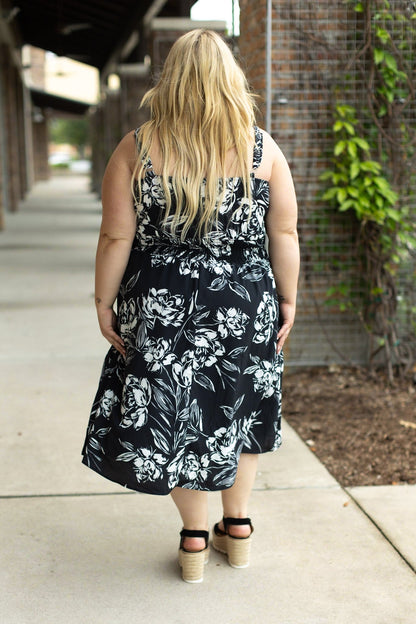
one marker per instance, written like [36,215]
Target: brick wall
[309,41]
[252,48]
[14,170]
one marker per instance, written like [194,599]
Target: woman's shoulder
[272,155]
[126,150]
[270,145]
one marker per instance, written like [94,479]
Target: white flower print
[183,370]
[161,305]
[265,317]
[137,394]
[147,465]
[190,265]
[246,427]
[231,322]
[194,468]
[146,232]
[278,436]
[107,401]
[193,415]
[231,194]
[246,224]
[208,347]
[266,376]
[163,255]
[154,190]
[157,352]
[222,444]
[127,317]
[218,242]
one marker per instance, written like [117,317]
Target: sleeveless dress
[201,382]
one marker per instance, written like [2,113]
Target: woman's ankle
[193,544]
[236,530]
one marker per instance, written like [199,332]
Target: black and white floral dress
[201,382]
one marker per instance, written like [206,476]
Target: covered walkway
[77,549]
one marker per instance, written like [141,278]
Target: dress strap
[258,147]
[146,161]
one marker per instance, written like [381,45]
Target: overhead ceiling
[45,100]
[88,31]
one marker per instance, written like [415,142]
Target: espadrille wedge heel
[237,549]
[192,563]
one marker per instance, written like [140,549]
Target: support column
[12,134]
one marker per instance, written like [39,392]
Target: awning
[42,99]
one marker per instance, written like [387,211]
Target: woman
[190,391]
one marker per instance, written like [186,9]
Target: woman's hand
[287,314]
[108,325]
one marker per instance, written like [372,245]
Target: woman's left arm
[116,236]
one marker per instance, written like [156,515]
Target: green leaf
[378,56]
[382,34]
[354,170]
[371,165]
[359,8]
[340,178]
[379,201]
[362,143]
[381,183]
[344,110]
[352,149]
[393,214]
[346,205]
[341,195]
[353,192]
[330,194]
[339,147]
[390,61]
[389,96]
[338,125]
[349,128]
[382,110]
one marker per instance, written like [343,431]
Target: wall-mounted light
[113,82]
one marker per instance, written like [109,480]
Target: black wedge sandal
[192,563]
[237,549]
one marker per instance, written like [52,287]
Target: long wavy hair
[200,108]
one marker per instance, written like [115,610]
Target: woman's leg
[235,499]
[193,508]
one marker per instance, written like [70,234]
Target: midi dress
[201,380]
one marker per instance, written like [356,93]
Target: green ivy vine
[371,173]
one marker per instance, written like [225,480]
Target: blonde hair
[200,108]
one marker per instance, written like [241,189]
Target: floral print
[136,397]
[201,382]
[265,317]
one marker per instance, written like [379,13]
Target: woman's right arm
[116,236]
[281,222]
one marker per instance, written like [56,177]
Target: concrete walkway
[76,549]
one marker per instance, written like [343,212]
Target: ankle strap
[236,521]
[191,533]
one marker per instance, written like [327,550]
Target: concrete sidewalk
[78,549]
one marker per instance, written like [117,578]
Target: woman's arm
[116,236]
[281,221]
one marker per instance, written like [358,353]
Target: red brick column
[252,46]
[12,146]
[40,147]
